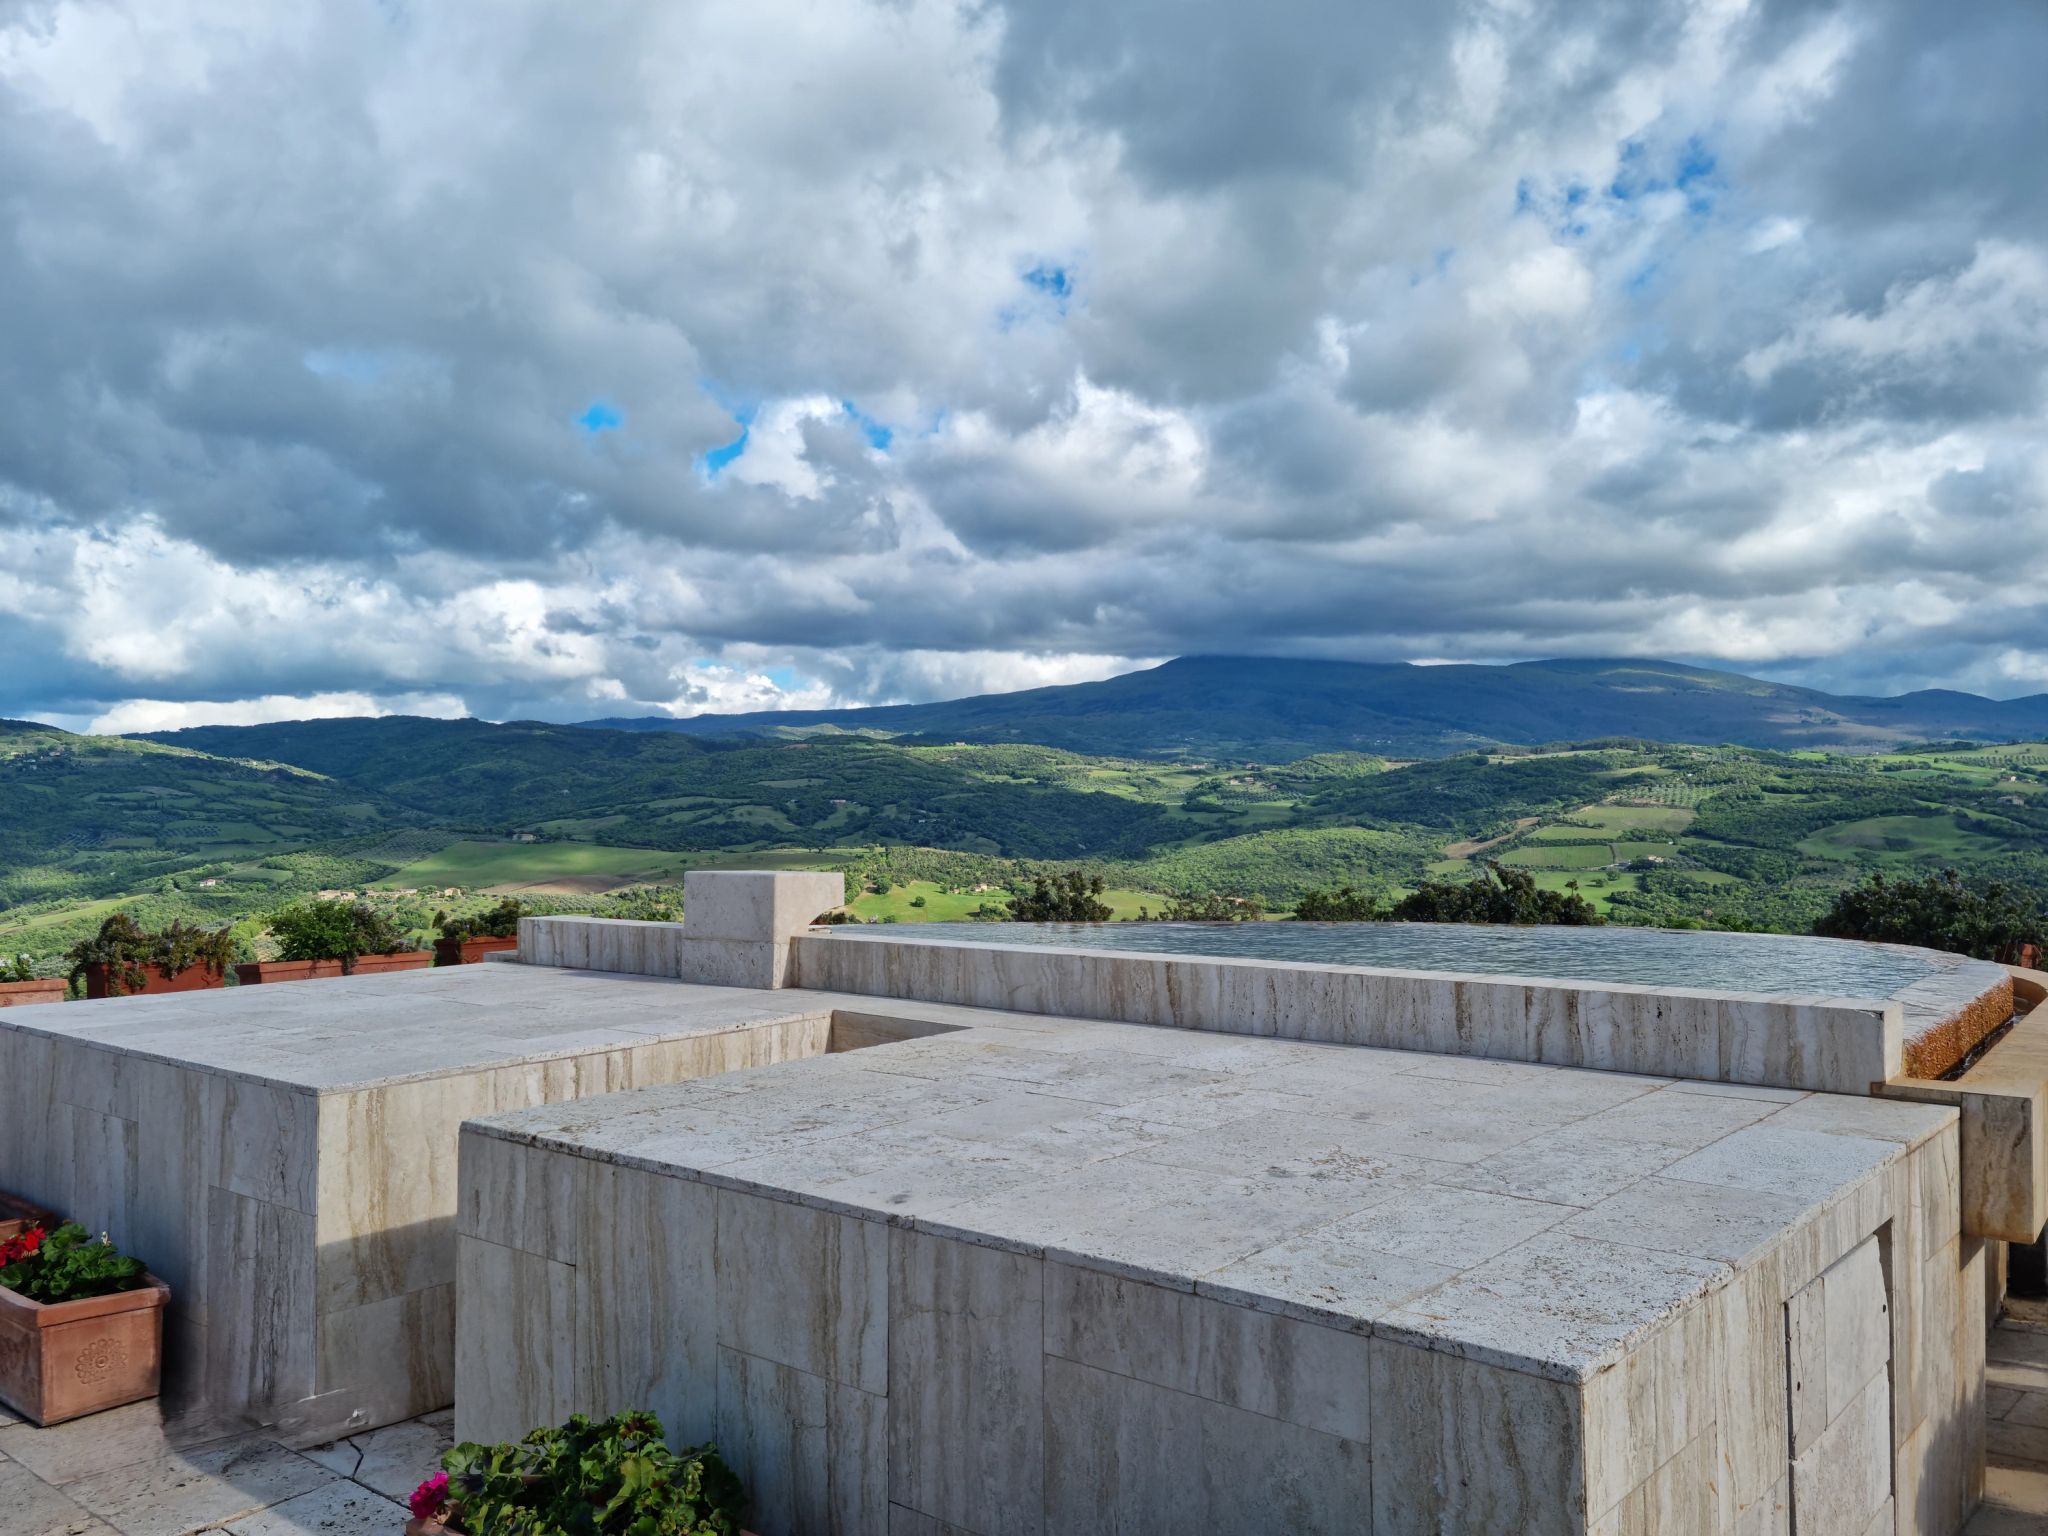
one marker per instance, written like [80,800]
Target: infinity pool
[1738,962]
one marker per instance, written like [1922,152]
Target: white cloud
[137,715]
[1483,330]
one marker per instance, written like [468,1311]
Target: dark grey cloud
[570,362]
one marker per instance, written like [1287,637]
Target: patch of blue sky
[742,411]
[1697,175]
[1054,281]
[1629,182]
[879,437]
[1052,286]
[1694,171]
[601,416]
[1562,208]
[712,460]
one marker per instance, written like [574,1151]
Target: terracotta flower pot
[404,960]
[18,1215]
[18,994]
[102,981]
[65,1359]
[255,971]
[469,951]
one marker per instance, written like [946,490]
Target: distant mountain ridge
[1265,708]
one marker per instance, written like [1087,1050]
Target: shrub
[124,947]
[1938,912]
[1343,905]
[333,930]
[1070,898]
[648,904]
[66,1265]
[611,1478]
[499,922]
[1500,895]
[1209,908]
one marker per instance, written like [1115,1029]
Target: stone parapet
[736,931]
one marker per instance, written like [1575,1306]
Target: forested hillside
[225,823]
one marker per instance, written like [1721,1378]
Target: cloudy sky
[617,358]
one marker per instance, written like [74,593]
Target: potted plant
[124,959]
[465,940]
[20,985]
[18,1215]
[615,1477]
[81,1325]
[331,938]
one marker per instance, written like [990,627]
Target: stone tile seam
[1712,1427]
[276,1205]
[1199,1397]
[492,1242]
[797,1370]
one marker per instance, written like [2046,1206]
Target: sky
[544,361]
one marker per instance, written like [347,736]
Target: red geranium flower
[428,1499]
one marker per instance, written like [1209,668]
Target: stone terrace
[984,1252]
[988,1241]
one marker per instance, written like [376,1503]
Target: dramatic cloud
[615,359]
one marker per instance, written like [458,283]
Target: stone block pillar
[736,930]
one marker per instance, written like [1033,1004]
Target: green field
[1619,820]
[567,868]
[1897,839]
[1560,856]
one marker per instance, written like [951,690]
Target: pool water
[1784,964]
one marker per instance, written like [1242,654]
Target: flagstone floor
[2016,1402]
[125,1473]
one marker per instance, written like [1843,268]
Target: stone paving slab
[127,1473]
[2016,1404]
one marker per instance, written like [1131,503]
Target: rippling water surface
[1743,962]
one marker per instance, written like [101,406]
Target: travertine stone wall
[866,1376]
[307,1235]
[1811,1043]
[652,949]
[737,930]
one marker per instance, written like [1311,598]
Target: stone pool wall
[1821,1044]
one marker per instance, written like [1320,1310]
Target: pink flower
[430,1496]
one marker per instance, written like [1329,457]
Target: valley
[224,825]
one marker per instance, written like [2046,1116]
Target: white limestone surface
[285,1155]
[1046,1273]
[1821,1043]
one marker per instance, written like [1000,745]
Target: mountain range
[1265,708]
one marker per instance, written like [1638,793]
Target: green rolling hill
[224,823]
